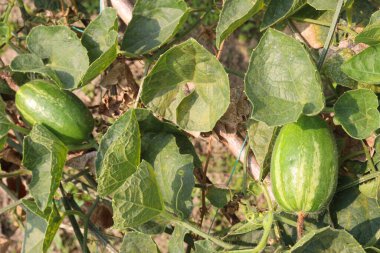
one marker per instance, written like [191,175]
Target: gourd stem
[300,221]
[19,129]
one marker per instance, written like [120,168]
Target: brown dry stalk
[7,77]
[300,221]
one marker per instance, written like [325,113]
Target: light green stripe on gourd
[304,166]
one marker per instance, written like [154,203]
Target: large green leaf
[153,23]
[34,233]
[233,15]
[261,141]
[138,200]
[135,242]
[31,63]
[327,240]
[61,49]
[149,124]
[45,155]
[54,221]
[364,67]
[100,40]
[4,124]
[370,35]
[323,4]
[5,33]
[332,68]
[119,153]
[279,10]
[188,86]
[282,81]
[101,34]
[357,112]
[176,242]
[174,171]
[41,227]
[357,214]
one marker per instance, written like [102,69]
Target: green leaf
[176,242]
[34,233]
[370,35]
[357,112]
[327,240]
[4,125]
[41,227]
[119,154]
[261,141]
[174,171]
[364,67]
[31,63]
[375,18]
[5,33]
[233,15]
[45,155]
[332,68]
[101,34]
[149,124]
[100,40]
[371,189]
[246,226]
[135,242]
[153,24]
[323,4]
[282,81]
[278,10]
[188,86]
[62,50]
[138,200]
[357,214]
[218,197]
[204,246]
[54,221]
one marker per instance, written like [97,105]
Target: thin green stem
[371,165]
[197,231]
[323,23]
[290,222]
[245,170]
[10,193]
[13,204]
[8,10]
[19,129]
[146,69]
[330,34]
[235,72]
[363,179]
[328,110]
[15,173]
[352,155]
[87,221]
[73,221]
[84,146]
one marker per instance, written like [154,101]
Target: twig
[7,78]
[300,221]
[87,220]
[146,69]
[204,182]
[15,173]
[359,181]
[219,53]
[93,229]
[330,34]
[73,221]
[371,165]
